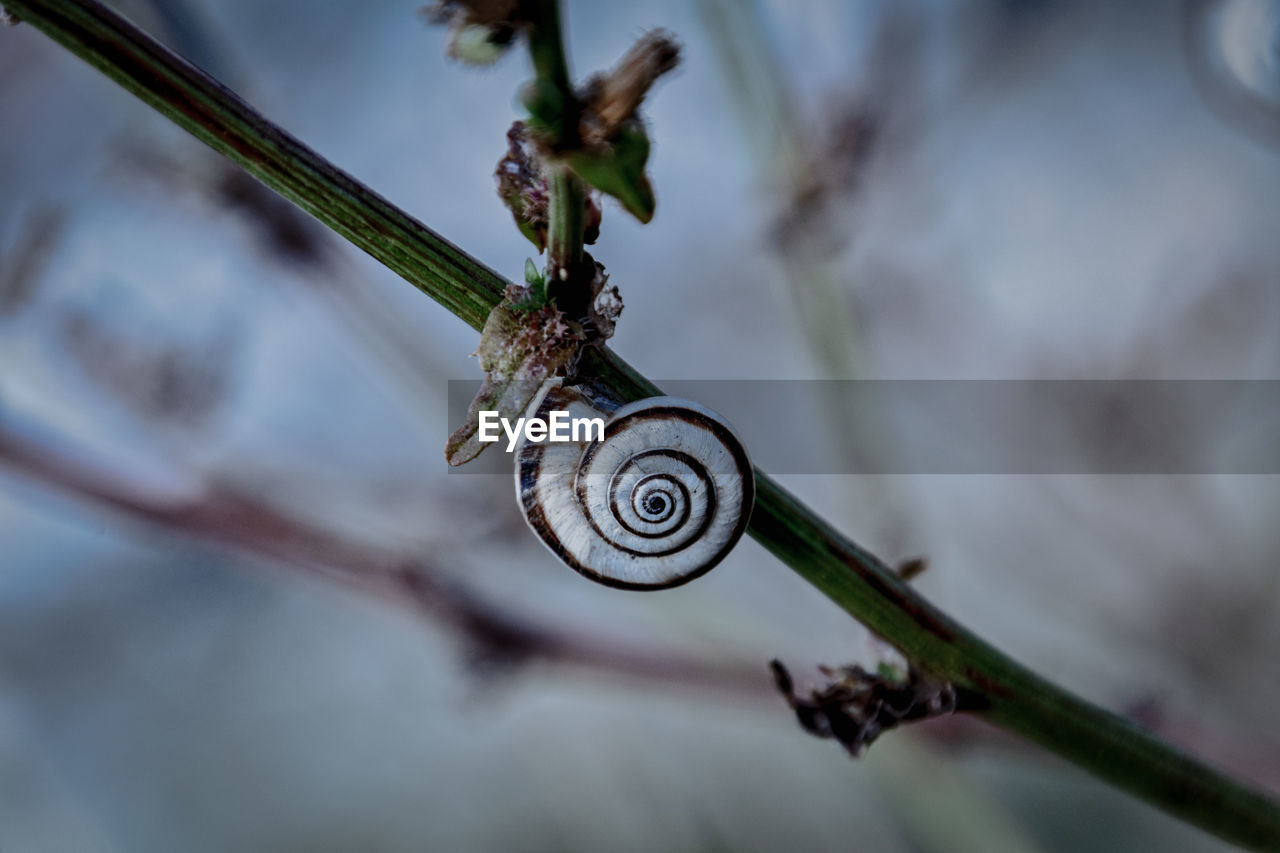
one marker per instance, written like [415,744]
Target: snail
[658,501]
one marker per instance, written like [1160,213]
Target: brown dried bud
[857,706]
[522,185]
[524,189]
[480,31]
[613,98]
[912,568]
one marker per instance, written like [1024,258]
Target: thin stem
[546,49]
[567,208]
[567,217]
[1019,700]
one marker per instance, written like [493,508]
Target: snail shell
[661,500]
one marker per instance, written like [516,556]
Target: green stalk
[567,209]
[567,218]
[1019,700]
[551,69]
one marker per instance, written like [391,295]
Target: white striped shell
[661,500]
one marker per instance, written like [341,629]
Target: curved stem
[1018,699]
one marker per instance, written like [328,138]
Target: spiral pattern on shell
[661,500]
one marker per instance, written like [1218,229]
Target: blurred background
[243,606]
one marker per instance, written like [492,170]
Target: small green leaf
[536,284]
[890,672]
[617,169]
[533,233]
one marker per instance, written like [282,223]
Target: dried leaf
[519,350]
[526,341]
[606,305]
[611,99]
[523,188]
[857,706]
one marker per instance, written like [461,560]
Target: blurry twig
[813,177]
[288,235]
[229,518]
[21,270]
[782,158]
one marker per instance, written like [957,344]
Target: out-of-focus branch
[779,143]
[289,234]
[1017,699]
[231,519]
[812,180]
[220,119]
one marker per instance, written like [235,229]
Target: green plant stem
[567,208]
[566,215]
[1019,700]
[551,68]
